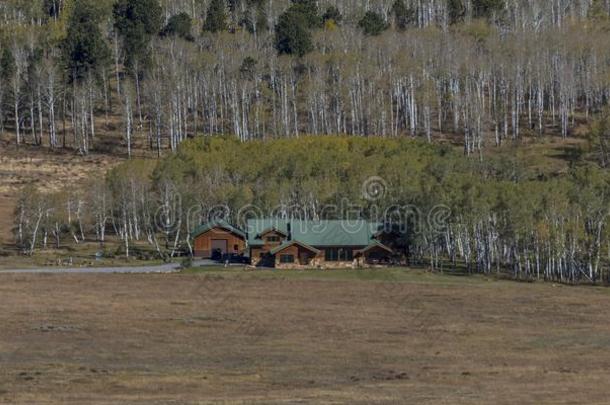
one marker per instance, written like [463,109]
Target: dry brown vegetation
[309,337]
[44,169]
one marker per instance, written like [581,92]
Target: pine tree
[292,32]
[372,23]
[485,8]
[455,11]
[84,48]
[309,11]
[52,8]
[332,14]
[216,17]
[292,36]
[179,25]
[137,21]
[403,16]
[7,65]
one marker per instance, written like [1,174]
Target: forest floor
[390,336]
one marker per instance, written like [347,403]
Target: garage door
[220,245]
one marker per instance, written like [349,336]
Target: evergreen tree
[179,25]
[234,5]
[7,65]
[52,8]
[599,138]
[455,11]
[84,48]
[248,68]
[373,23]
[403,16]
[292,32]
[137,21]
[485,8]
[292,36]
[332,13]
[308,10]
[216,17]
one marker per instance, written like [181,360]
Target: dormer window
[273,236]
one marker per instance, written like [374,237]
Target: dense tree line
[494,217]
[486,71]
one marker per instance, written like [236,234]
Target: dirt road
[164,268]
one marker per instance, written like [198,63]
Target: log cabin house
[315,244]
[217,239]
[294,244]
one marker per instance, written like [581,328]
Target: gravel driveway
[161,268]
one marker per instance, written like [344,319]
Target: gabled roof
[316,233]
[292,243]
[217,224]
[270,230]
[374,244]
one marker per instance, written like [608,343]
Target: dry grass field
[365,337]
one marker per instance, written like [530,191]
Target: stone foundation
[318,264]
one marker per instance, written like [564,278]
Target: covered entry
[294,254]
[375,253]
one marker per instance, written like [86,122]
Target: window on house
[286,258]
[339,255]
[273,238]
[331,255]
[235,248]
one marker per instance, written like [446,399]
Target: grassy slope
[51,170]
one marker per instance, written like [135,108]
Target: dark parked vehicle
[234,258]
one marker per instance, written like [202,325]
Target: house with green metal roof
[217,224]
[282,243]
[321,244]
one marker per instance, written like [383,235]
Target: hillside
[47,171]
[478,72]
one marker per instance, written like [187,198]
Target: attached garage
[220,246]
[213,241]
